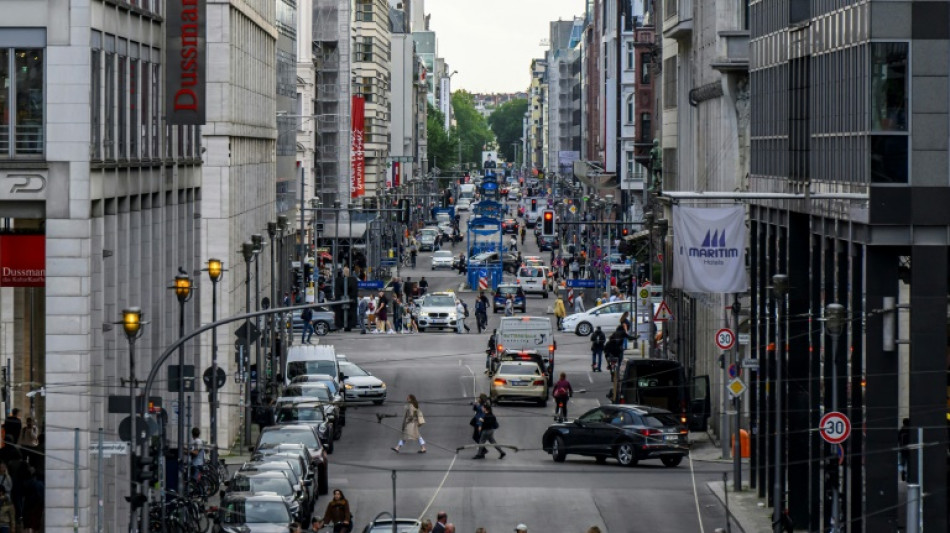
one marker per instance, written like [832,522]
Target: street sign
[835,427]
[371,284]
[839,451]
[581,283]
[751,364]
[736,387]
[745,338]
[573,209]
[725,339]
[387,262]
[109,448]
[222,377]
[644,293]
[240,332]
[663,313]
[735,371]
[174,383]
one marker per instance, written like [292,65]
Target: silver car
[361,386]
[324,320]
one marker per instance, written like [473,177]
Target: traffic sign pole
[737,401]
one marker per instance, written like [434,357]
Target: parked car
[252,513]
[300,434]
[333,404]
[312,414]
[282,467]
[501,295]
[630,433]
[519,381]
[385,525]
[360,385]
[273,482]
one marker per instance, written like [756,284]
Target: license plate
[672,437]
[518,383]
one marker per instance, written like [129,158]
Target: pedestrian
[382,310]
[903,443]
[521,528]
[407,289]
[397,313]
[306,316]
[597,342]
[513,243]
[362,308]
[425,526]
[613,350]
[33,504]
[266,414]
[423,286]
[7,512]
[509,305]
[476,422]
[197,451]
[486,431]
[627,328]
[397,287]
[462,311]
[481,311]
[413,253]
[338,514]
[559,312]
[440,520]
[579,303]
[12,427]
[490,353]
[562,393]
[575,269]
[412,421]
[449,528]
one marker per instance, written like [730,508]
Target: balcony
[678,21]
[734,45]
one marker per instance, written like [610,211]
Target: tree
[442,147]
[473,130]
[506,122]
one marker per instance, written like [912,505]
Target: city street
[445,372]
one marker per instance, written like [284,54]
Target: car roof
[284,427]
[253,472]
[253,497]
[641,409]
[518,363]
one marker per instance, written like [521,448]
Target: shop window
[22,103]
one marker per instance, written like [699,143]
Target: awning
[345,230]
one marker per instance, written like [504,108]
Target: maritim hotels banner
[22,260]
[709,248]
[358,123]
[186,62]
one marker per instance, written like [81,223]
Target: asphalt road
[445,372]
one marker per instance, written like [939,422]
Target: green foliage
[442,147]
[473,130]
[506,122]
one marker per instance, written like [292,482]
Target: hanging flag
[358,121]
[709,248]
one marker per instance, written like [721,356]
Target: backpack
[560,390]
[465,307]
[306,315]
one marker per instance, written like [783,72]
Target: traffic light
[404,210]
[641,273]
[298,277]
[624,232]
[146,469]
[547,223]
[534,204]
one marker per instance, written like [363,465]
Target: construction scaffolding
[331,39]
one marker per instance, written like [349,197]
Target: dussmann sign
[186,62]
[22,260]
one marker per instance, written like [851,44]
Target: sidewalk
[745,507]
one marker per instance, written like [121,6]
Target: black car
[546,244]
[509,225]
[631,433]
[312,414]
[252,513]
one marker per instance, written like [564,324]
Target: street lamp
[215,269]
[272,235]
[132,327]
[183,291]
[248,251]
[258,241]
[780,290]
[835,321]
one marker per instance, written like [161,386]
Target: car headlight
[382,384]
[347,386]
[424,314]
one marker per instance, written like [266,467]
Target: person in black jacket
[597,341]
[614,348]
[486,431]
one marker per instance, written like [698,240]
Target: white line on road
[474,384]
[590,377]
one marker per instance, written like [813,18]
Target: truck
[527,337]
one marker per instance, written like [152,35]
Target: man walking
[361,308]
[461,311]
[579,302]
[597,341]
[440,520]
[307,317]
[486,429]
[481,312]
[413,252]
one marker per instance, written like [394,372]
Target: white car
[442,259]
[607,316]
[533,279]
[361,386]
[438,311]
[463,205]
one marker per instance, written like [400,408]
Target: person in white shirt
[579,303]
[197,451]
[460,320]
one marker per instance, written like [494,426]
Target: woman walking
[412,420]
[338,513]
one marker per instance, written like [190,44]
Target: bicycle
[560,412]
[181,515]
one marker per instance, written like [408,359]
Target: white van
[528,335]
[311,359]
[533,279]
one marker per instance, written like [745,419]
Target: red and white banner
[358,175]
[22,260]
[397,173]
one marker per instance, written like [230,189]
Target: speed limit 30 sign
[835,427]
[725,339]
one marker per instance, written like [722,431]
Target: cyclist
[562,393]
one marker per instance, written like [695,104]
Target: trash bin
[743,443]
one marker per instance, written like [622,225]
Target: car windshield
[277,485]
[310,390]
[530,273]
[282,435]
[321,366]
[300,413]
[660,420]
[350,370]
[442,254]
[507,290]
[256,512]
[439,301]
[519,370]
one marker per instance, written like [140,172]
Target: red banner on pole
[397,174]
[358,178]
[22,260]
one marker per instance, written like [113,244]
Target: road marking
[474,383]
[590,377]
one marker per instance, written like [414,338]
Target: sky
[491,42]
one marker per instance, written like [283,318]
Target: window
[133,108]
[646,127]
[631,161]
[631,61]
[95,105]
[123,89]
[156,76]
[21,102]
[645,60]
[631,113]
[364,50]
[888,158]
[142,130]
[889,87]
[364,11]
[109,105]
[669,82]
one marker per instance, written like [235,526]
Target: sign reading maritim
[185,76]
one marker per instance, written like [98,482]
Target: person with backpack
[481,312]
[462,311]
[486,430]
[307,317]
[614,348]
[562,393]
[490,352]
[597,342]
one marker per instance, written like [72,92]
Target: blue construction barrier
[493,273]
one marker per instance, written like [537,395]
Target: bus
[663,383]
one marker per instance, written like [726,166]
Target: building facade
[372,79]
[563,121]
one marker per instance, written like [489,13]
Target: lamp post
[835,321]
[132,326]
[247,250]
[215,270]
[272,234]
[282,224]
[780,289]
[258,241]
[184,293]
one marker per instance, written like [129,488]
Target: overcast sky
[492,42]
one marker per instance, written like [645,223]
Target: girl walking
[412,420]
